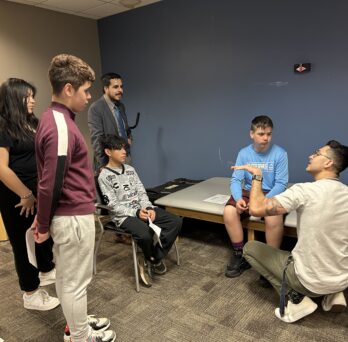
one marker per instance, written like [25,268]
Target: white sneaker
[40,300]
[97,324]
[102,336]
[47,278]
[334,302]
[294,312]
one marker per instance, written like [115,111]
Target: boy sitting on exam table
[124,192]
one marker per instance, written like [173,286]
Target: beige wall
[31,36]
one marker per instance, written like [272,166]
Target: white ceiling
[94,9]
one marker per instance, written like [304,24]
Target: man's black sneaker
[236,266]
[159,268]
[264,282]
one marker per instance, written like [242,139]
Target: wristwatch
[257,177]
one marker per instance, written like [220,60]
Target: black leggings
[170,224]
[16,226]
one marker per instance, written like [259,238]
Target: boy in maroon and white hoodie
[66,195]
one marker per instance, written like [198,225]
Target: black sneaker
[263,282]
[159,268]
[236,266]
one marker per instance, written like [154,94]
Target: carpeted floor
[192,302]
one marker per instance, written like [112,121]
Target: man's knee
[250,247]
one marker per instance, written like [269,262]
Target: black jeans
[16,226]
[142,234]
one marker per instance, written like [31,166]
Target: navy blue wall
[200,70]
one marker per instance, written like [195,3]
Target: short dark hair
[261,121]
[69,69]
[112,142]
[340,155]
[106,78]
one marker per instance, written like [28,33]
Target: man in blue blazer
[107,115]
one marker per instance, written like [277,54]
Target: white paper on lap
[157,232]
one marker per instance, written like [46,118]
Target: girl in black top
[18,181]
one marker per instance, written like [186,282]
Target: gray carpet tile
[193,302]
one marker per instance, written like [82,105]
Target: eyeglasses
[318,153]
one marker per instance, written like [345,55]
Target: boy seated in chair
[124,192]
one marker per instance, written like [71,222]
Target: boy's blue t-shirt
[274,165]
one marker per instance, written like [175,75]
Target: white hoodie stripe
[62,129]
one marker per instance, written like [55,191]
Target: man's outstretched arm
[260,205]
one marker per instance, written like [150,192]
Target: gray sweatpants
[73,248]
[270,262]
